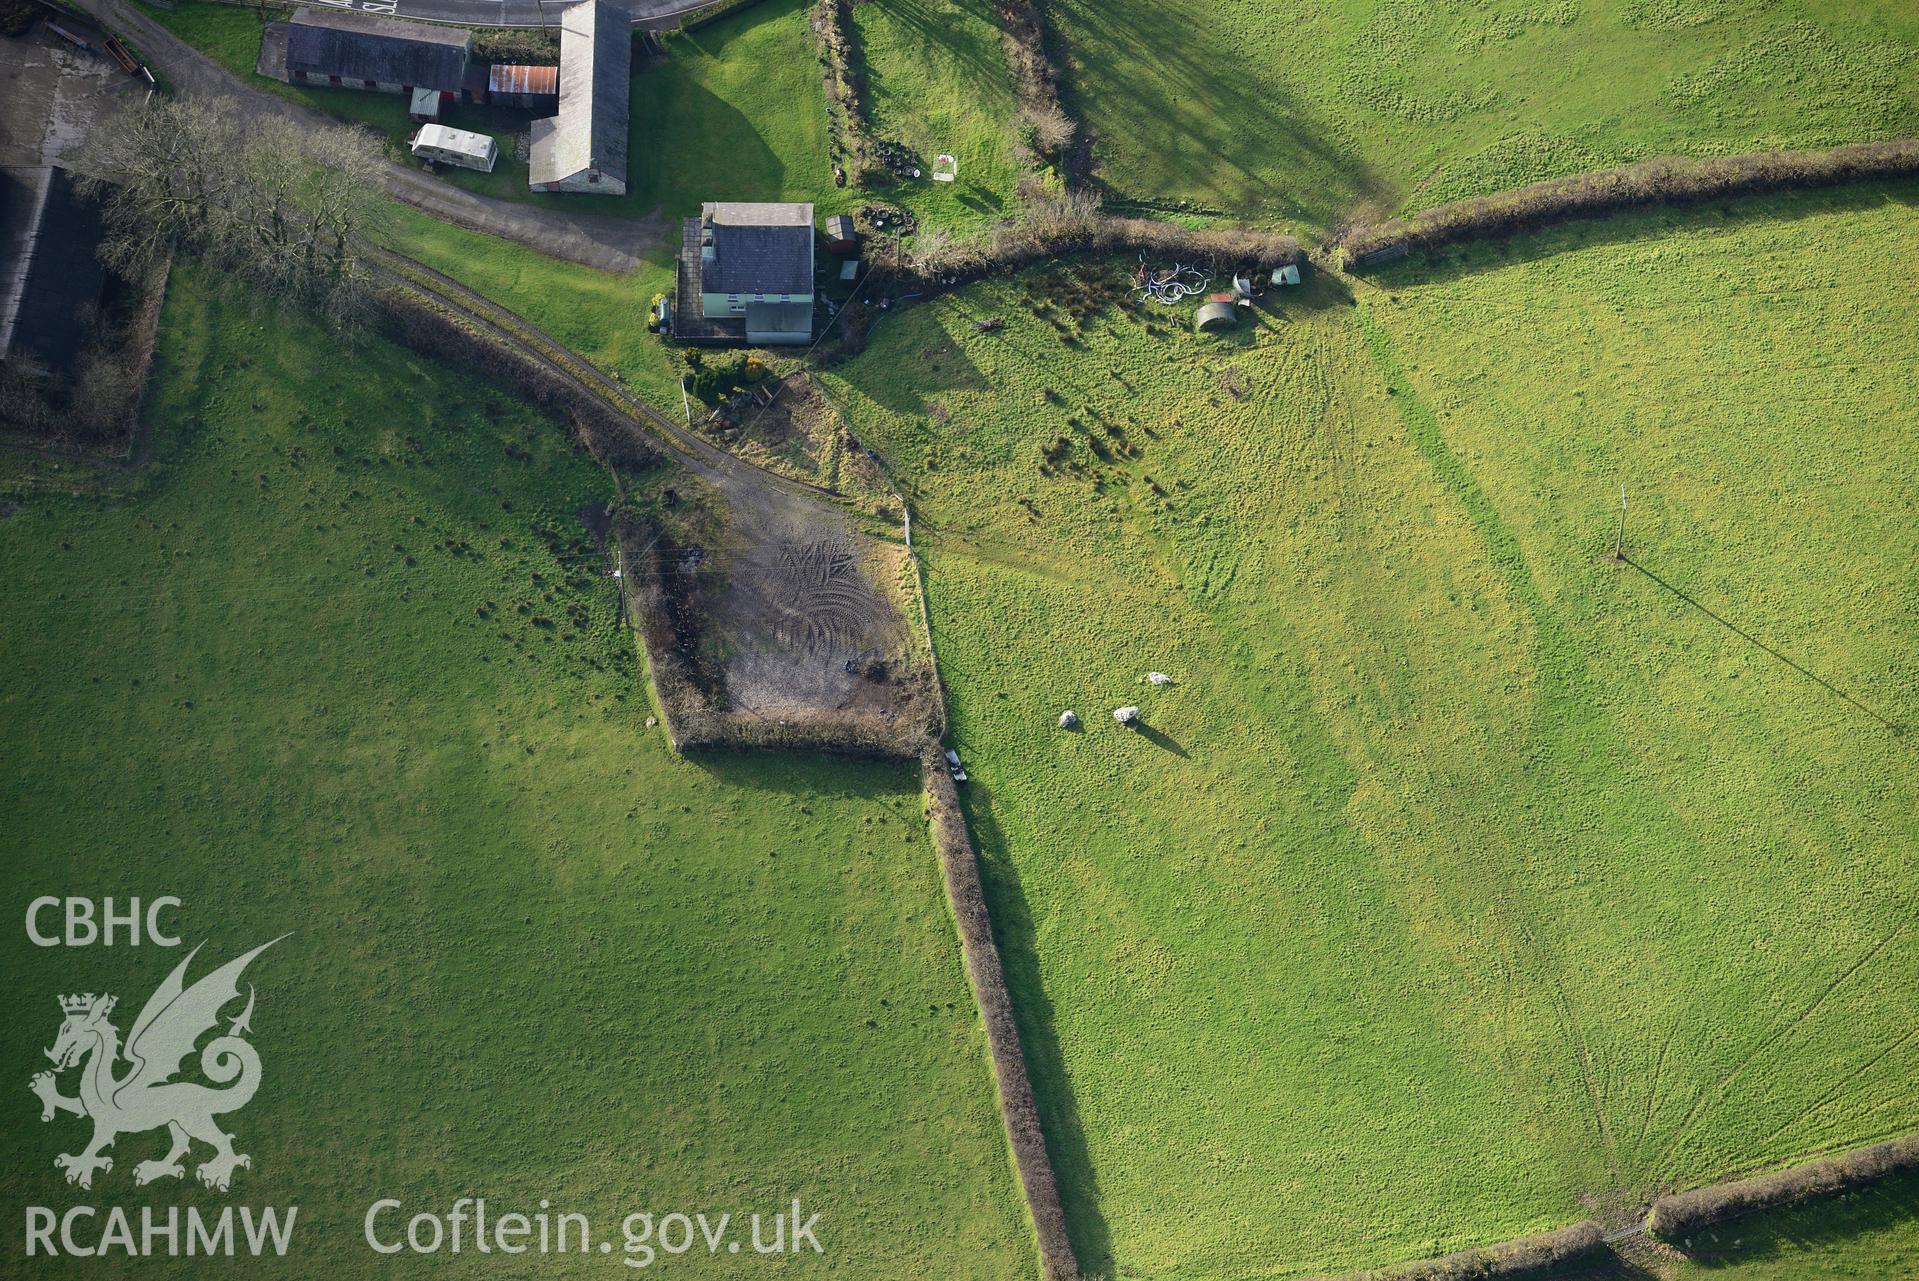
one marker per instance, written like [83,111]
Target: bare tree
[165,175]
[276,204]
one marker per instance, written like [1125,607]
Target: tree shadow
[1822,1224]
[936,37]
[1198,113]
[676,119]
[1017,939]
[944,365]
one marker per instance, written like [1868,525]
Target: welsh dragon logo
[145,1095]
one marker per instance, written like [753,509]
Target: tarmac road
[512,13]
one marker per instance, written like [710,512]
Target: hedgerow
[1051,131]
[1056,226]
[1524,1257]
[1018,1106]
[614,441]
[1682,1214]
[1665,181]
[843,67]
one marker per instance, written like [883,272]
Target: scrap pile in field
[1172,285]
[1071,224]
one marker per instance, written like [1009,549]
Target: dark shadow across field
[934,34]
[754,172]
[1188,98]
[807,774]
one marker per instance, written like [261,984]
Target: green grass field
[1301,113]
[735,113]
[341,661]
[938,82]
[1465,883]
[596,313]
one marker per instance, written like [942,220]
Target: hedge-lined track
[508,327]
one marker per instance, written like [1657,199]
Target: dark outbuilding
[534,88]
[353,50]
[583,148]
[842,237]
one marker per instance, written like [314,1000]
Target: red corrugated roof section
[507,78]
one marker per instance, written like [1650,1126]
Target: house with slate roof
[746,274]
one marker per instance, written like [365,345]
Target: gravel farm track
[805,602]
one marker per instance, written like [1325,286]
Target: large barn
[347,49]
[583,148]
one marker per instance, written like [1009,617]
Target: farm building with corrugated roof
[583,148]
[346,49]
[513,85]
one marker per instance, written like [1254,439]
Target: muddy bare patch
[789,426]
[776,624]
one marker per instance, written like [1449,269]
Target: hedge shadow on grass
[807,775]
[1017,939]
[1462,260]
[1816,1225]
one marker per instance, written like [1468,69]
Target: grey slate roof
[791,318]
[596,61]
[761,260]
[361,46]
